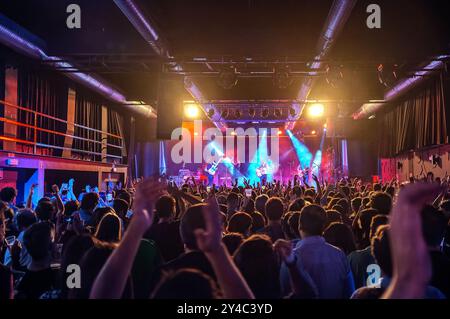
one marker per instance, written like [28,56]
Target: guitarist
[211,170]
[262,172]
[237,170]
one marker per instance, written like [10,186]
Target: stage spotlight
[281,77]
[277,113]
[195,133]
[316,110]
[280,132]
[191,110]
[313,132]
[265,113]
[227,77]
[224,114]
[233,133]
[251,112]
[292,112]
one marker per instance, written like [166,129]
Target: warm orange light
[280,132]
[195,133]
[191,110]
[316,110]
[313,132]
[233,133]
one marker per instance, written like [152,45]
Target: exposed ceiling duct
[337,18]
[11,38]
[148,30]
[143,25]
[403,86]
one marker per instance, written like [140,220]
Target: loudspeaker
[170,107]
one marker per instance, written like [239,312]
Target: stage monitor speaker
[170,107]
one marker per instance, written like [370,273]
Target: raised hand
[305,182]
[147,192]
[172,189]
[111,281]
[55,189]
[209,240]
[302,284]
[411,260]
[77,224]
[283,248]
[15,251]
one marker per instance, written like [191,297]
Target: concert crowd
[154,239]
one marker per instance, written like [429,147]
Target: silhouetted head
[341,236]
[312,221]
[274,209]
[191,220]
[186,284]
[258,263]
[240,223]
[109,228]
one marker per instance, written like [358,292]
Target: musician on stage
[211,170]
[236,170]
[209,177]
[201,177]
[262,172]
[303,174]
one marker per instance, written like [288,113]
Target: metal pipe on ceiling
[403,86]
[148,30]
[337,18]
[12,39]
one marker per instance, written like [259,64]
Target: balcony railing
[105,140]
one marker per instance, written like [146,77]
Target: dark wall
[147,157]
[362,158]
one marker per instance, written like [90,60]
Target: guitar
[263,170]
[213,169]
